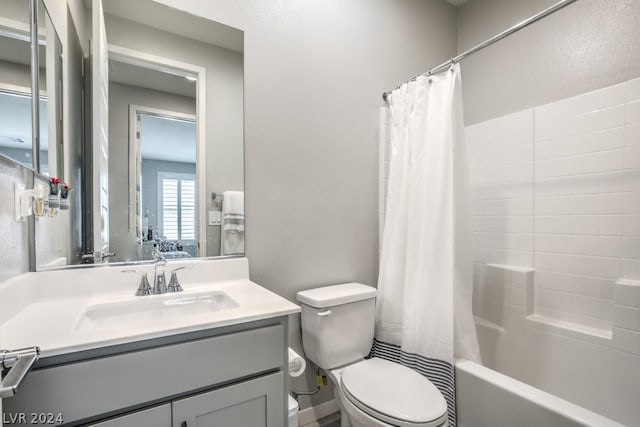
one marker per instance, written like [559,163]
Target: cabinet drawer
[110,384]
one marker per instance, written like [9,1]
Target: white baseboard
[314,413]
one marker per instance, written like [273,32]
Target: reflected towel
[232,230]
[233,202]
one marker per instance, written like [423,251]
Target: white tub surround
[55,308]
[507,402]
[556,214]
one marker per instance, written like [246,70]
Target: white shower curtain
[424,312]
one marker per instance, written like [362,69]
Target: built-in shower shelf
[572,327]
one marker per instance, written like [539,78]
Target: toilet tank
[337,323]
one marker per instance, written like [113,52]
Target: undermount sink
[154,308]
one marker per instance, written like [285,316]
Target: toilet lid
[393,391]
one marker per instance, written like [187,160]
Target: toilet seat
[393,393]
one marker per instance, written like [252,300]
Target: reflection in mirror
[157,52]
[153,125]
[183,73]
[16,133]
[152,116]
[15,82]
[167,146]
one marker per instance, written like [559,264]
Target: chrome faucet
[143,288]
[159,279]
[174,284]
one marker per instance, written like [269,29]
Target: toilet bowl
[376,392]
[337,332]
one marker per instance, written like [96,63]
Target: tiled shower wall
[556,189]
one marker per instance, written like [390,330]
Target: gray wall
[13,234]
[123,240]
[16,74]
[314,75]
[588,45]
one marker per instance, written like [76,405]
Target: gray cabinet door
[254,403]
[160,416]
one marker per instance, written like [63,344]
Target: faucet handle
[144,288]
[174,284]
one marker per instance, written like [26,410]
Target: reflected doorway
[166,187]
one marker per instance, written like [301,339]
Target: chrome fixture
[159,279]
[108,255]
[19,363]
[91,257]
[174,284]
[144,288]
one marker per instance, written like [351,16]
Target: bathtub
[486,398]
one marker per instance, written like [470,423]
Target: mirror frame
[35,86]
[49,40]
[147,60]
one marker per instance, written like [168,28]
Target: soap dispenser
[54,196]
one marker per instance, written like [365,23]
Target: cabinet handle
[324,313]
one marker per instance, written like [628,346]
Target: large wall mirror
[18,137]
[162,167]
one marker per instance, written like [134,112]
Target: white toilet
[337,332]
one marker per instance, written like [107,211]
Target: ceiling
[149,78]
[168,139]
[176,21]
[457,2]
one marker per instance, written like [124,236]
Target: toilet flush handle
[324,313]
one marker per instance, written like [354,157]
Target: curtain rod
[489,42]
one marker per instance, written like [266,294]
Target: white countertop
[52,322]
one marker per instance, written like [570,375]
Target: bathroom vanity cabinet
[227,376]
[250,403]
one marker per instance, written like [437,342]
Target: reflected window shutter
[179,207]
[170,208]
[188,209]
